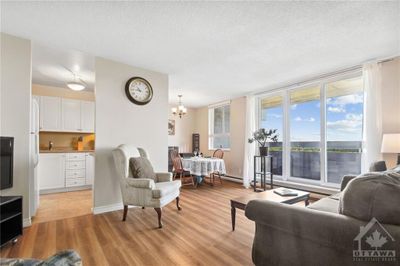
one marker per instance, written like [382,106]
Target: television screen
[6,162]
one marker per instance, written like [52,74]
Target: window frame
[286,146]
[211,134]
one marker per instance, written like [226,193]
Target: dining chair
[185,176]
[220,155]
[174,154]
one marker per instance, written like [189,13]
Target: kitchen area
[63,134]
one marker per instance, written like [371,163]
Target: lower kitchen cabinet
[51,171]
[65,171]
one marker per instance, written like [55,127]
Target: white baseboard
[108,208]
[26,222]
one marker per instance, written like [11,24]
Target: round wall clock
[138,90]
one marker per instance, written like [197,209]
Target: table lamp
[391,144]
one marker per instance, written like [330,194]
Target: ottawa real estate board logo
[374,243]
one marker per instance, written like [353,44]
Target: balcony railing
[343,158]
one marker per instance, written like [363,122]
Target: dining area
[196,170]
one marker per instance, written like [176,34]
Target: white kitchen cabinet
[65,171]
[51,170]
[87,116]
[89,168]
[66,115]
[71,115]
[50,113]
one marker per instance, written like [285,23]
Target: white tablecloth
[199,166]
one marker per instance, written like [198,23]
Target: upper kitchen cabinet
[87,116]
[50,113]
[71,115]
[66,115]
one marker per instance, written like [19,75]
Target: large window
[320,130]
[272,118]
[305,135]
[219,127]
[344,123]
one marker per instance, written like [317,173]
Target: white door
[50,113]
[89,168]
[87,116]
[51,170]
[71,115]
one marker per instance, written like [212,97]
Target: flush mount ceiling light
[77,84]
[180,110]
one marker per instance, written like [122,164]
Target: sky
[343,117]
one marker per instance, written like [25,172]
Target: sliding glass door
[344,128]
[272,118]
[305,135]
[320,130]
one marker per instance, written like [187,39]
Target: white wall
[119,121]
[391,102]
[184,128]
[15,109]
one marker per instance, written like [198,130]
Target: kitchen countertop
[64,151]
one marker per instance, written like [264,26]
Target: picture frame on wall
[171,127]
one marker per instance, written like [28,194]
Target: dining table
[203,166]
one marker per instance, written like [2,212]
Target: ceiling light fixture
[180,110]
[77,84]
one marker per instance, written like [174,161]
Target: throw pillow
[373,195]
[141,168]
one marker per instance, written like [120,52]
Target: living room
[237,133]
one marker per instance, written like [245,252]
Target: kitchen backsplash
[68,141]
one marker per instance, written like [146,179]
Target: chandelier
[180,110]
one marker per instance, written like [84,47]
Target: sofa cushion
[141,168]
[329,204]
[164,188]
[373,195]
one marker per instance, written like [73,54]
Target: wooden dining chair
[220,155]
[185,176]
[174,154]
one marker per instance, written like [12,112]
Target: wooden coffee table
[241,202]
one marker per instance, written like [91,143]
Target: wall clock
[139,91]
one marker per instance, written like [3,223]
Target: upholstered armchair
[142,191]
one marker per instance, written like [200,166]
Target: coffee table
[241,202]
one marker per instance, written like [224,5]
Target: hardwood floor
[200,234]
[64,205]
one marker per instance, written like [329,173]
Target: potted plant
[262,136]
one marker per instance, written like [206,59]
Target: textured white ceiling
[215,50]
[55,67]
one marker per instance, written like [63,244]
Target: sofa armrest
[140,182]
[345,180]
[164,177]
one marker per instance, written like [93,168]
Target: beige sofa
[316,235]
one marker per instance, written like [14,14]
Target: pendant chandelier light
[180,110]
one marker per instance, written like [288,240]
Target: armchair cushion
[141,168]
[164,188]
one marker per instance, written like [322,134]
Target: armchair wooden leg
[125,212]
[177,204]
[158,210]
[142,207]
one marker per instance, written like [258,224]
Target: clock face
[139,91]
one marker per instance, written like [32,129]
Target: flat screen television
[6,162]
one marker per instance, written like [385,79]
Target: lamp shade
[391,143]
